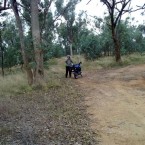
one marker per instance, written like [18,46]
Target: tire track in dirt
[116,104]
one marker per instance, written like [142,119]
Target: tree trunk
[2,55]
[2,61]
[23,49]
[116,45]
[39,70]
[71,52]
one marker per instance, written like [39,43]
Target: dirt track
[116,104]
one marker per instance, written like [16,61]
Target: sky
[96,8]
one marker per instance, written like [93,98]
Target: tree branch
[140,8]
[88,2]
[4,7]
[121,11]
[5,1]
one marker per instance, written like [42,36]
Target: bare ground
[116,104]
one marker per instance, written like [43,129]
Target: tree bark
[23,49]
[116,45]
[71,52]
[39,70]
[2,55]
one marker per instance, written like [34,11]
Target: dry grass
[54,115]
[16,83]
[13,84]
[109,62]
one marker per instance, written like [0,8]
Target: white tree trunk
[23,48]
[39,70]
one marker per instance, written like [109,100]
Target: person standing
[69,64]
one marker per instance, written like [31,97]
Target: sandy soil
[116,104]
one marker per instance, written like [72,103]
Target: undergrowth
[109,62]
[16,82]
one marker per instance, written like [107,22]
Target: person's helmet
[68,56]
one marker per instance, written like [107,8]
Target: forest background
[41,30]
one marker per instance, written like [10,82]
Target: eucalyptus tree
[90,44]
[68,13]
[105,39]
[116,8]
[46,18]
[39,70]
[80,25]
[14,5]
[62,39]
[139,39]
[11,45]
[1,51]
[131,37]
[62,31]
[48,21]
[36,75]
[4,5]
[126,37]
[141,28]
[34,18]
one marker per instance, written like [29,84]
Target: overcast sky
[96,8]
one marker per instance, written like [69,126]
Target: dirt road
[116,104]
